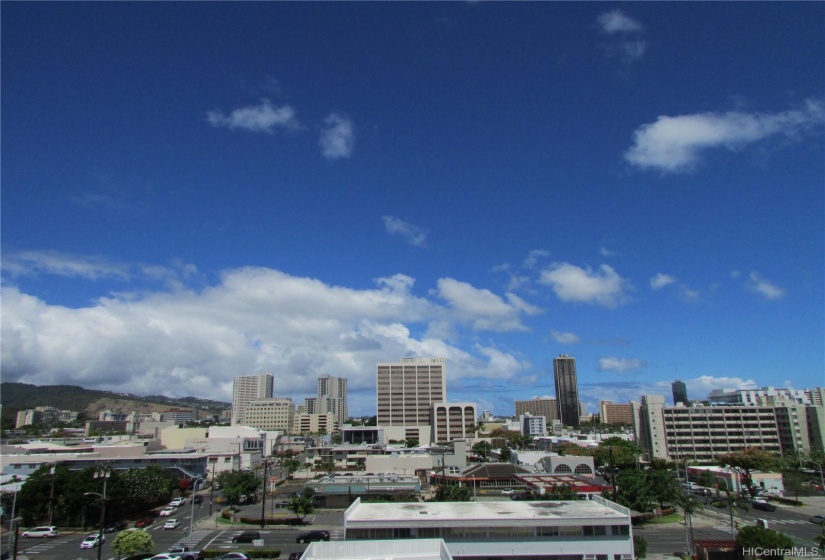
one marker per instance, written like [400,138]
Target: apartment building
[755,397]
[247,388]
[407,390]
[615,413]
[539,407]
[44,416]
[534,426]
[452,421]
[316,423]
[277,413]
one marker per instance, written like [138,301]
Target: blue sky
[195,191]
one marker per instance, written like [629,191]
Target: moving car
[41,532]
[311,536]
[171,524]
[167,511]
[246,537]
[234,556]
[506,492]
[197,499]
[144,522]
[115,527]
[91,541]
[177,502]
[817,519]
[764,506]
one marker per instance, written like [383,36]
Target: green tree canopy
[748,460]
[235,484]
[302,505]
[752,536]
[482,449]
[132,541]
[561,492]
[452,493]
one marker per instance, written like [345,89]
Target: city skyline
[319,188]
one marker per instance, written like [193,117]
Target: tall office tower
[248,388]
[408,389]
[333,391]
[679,392]
[567,390]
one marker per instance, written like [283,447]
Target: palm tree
[689,505]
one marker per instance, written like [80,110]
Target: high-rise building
[679,392]
[452,421]
[276,413]
[247,388]
[615,413]
[332,397]
[408,389]
[538,407]
[567,390]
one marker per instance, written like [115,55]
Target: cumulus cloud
[337,137]
[626,33]
[761,286]
[533,256]
[660,280]
[256,118]
[412,234]
[675,144]
[565,337]
[620,365]
[572,283]
[483,309]
[187,342]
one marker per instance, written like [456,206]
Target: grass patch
[672,518]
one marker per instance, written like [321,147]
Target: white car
[177,502]
[167,511]
[91,541]
[171,524]
[506,492]
[41,532]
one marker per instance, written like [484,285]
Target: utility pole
[53,472]
[263,499]
[212,486]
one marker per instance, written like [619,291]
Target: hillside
[21,396]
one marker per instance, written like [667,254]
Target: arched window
[583,469]
[562,469]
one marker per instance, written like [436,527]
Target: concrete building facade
[247,388]
[407,390]
[615,413]
[277,413]
[539,407]
[452,421]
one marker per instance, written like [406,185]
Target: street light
[192,517]
[104,473]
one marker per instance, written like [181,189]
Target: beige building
[538,407]
[277,413]
[248,388]
[316,423]
[615,413]
[452,421]
[408,389]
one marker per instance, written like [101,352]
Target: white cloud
[565,337]
[605,252]
[661,280]
[413,235]
[617,22]
[572,283]
[533,256]
[337,137]
[483,309]
[674,144]
[256,118]
[627,35]
[27,263]
[184,342]
[620,365]
[763,287]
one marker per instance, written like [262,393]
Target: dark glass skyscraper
[567,390]
[679,392]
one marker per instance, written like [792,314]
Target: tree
[452,493]
[748,460]
[689,506]
[505,455]
[664,486]
[302,505]
[235,484]
[561,492]
[411,442]
[752,536]
[634,492]
[132,541]
[640,547]
[482,449]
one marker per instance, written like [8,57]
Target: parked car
[507,492]
[167,511]
[141,556]
[92,541]
[246,537]
[817,519]
[144,522]
[234,556]
[171,524]
[311,536]
[115,527]
[294,556]
[177,502]
[764,506]
[49,531]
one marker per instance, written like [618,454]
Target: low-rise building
[541,530]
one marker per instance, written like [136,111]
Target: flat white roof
[492,513]
[406,549]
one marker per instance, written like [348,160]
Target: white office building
[248,388]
